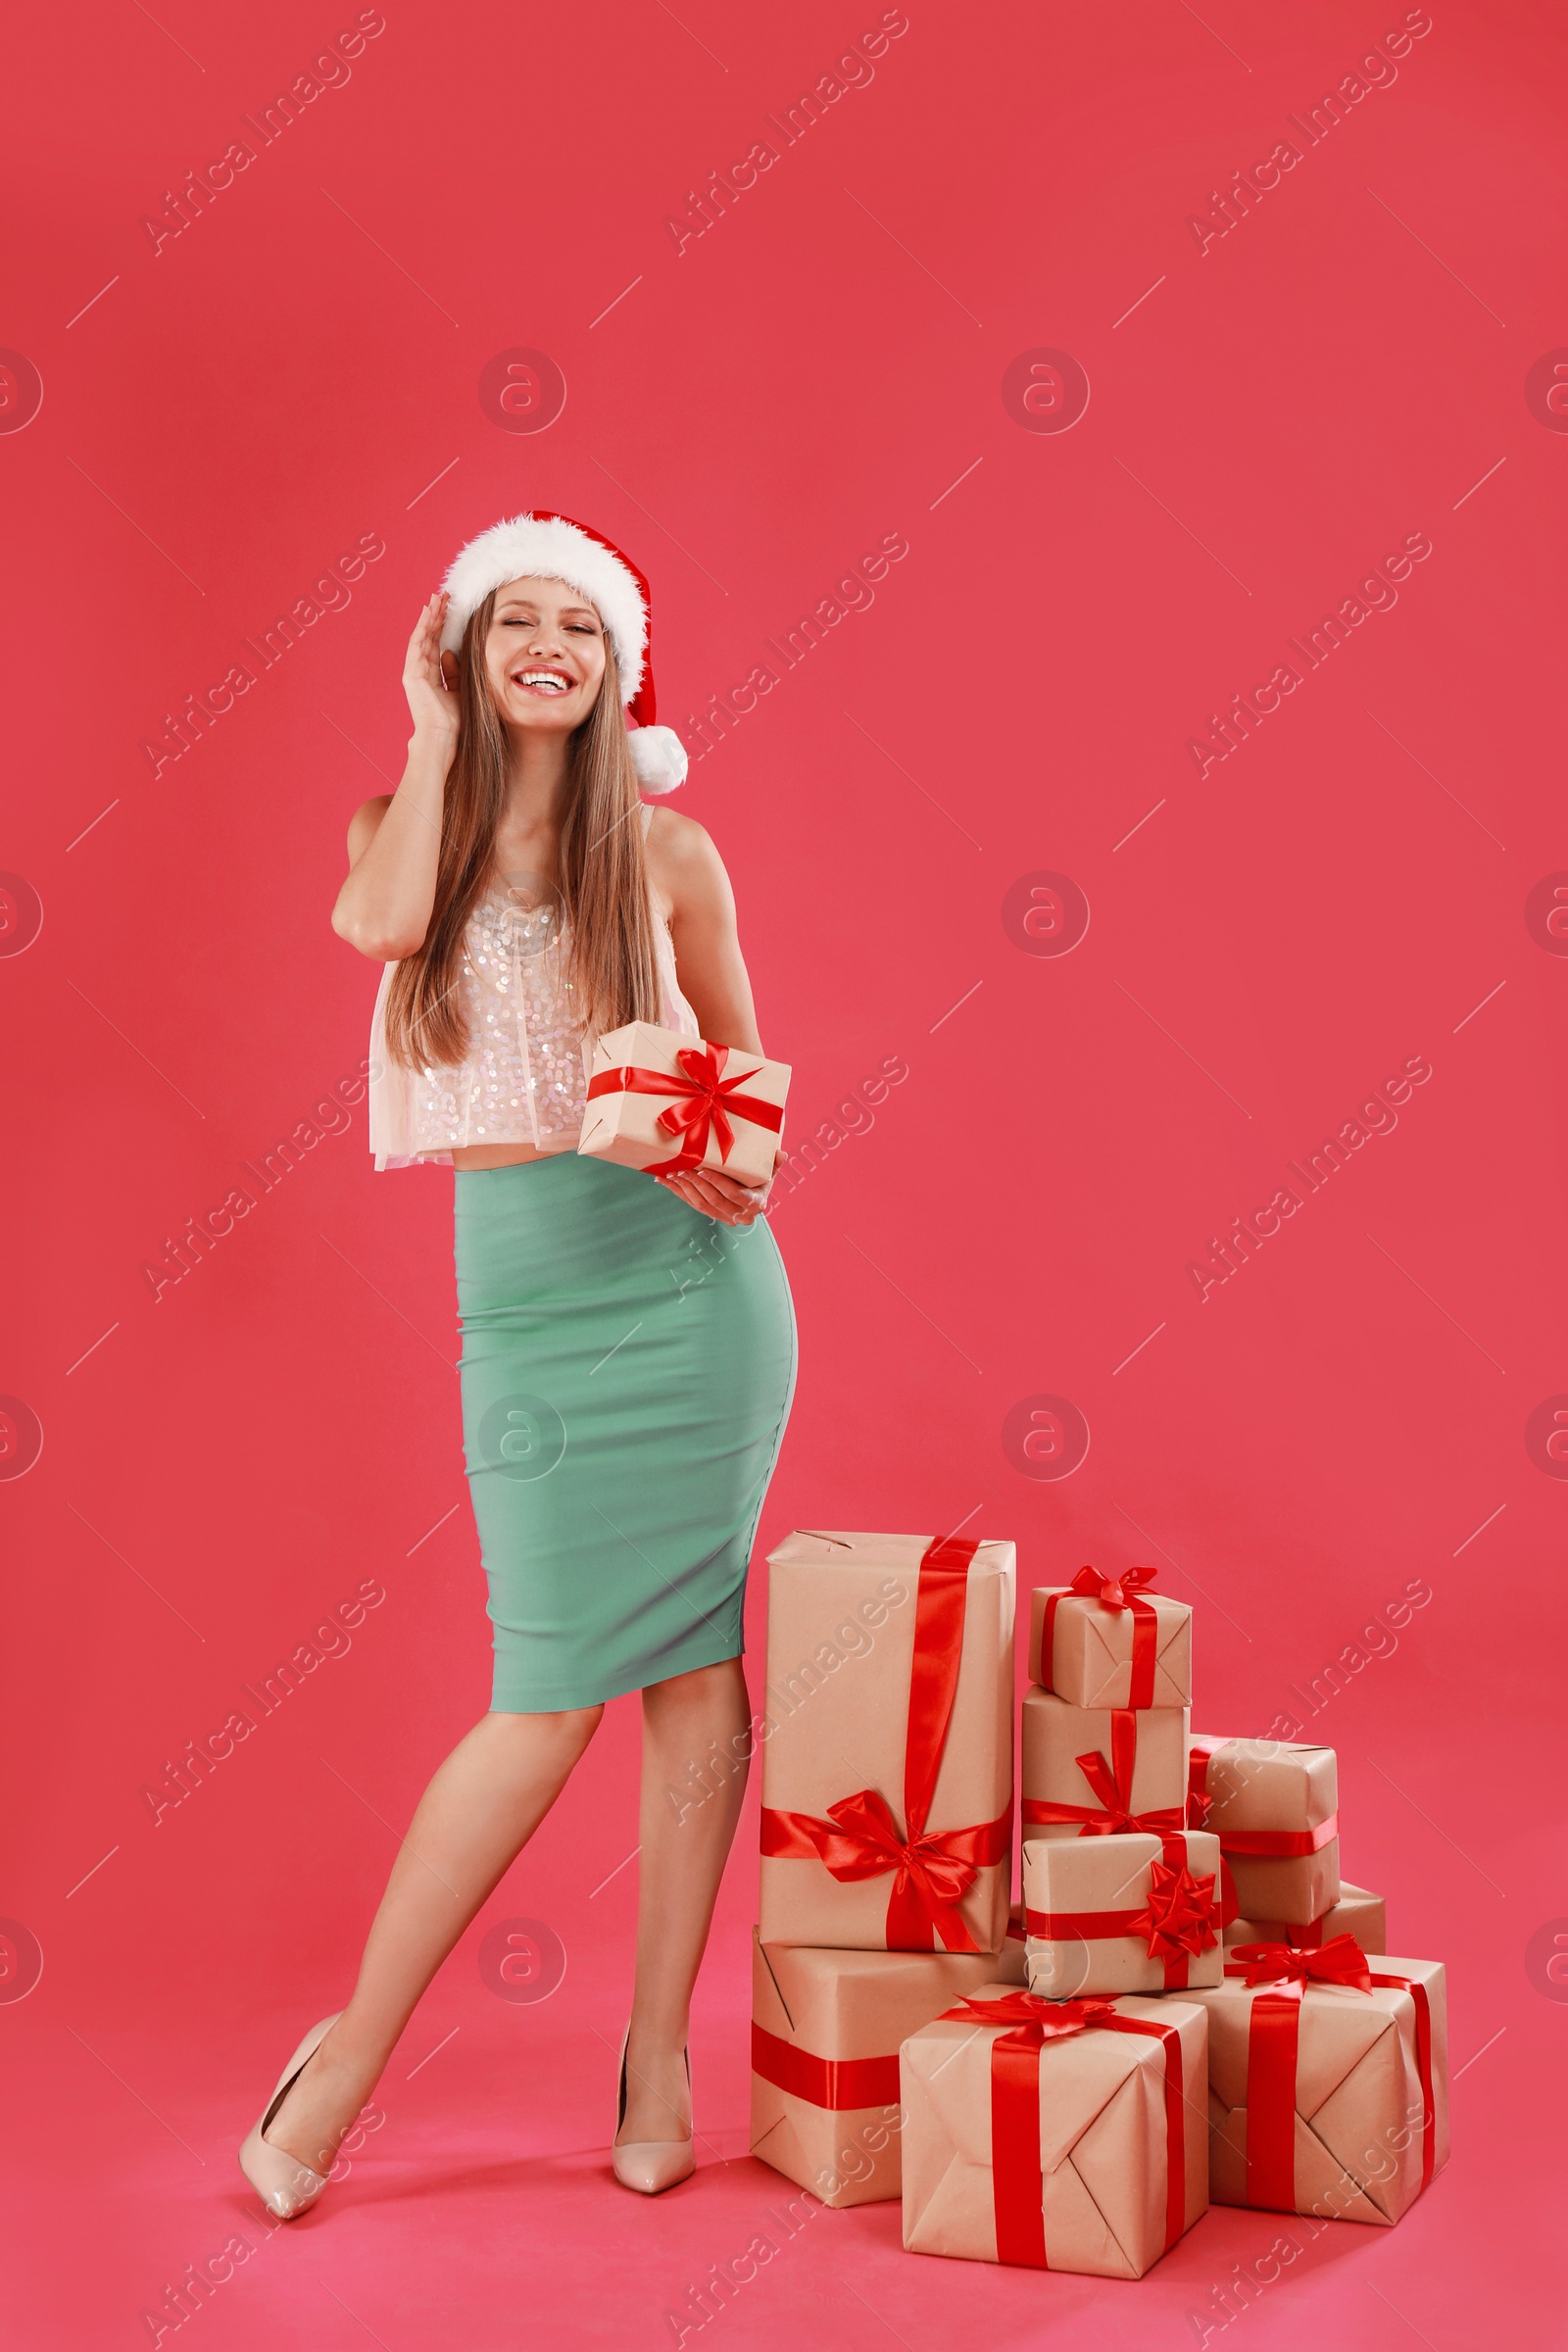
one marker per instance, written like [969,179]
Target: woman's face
[543,657]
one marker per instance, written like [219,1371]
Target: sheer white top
[525,1077]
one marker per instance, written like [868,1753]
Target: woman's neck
[529,831]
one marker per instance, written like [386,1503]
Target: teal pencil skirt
[627,1369]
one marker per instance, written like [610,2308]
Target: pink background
[821,369]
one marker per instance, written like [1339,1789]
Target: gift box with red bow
[1274,1806]
[1357,1913]
[662,1100]
[825,2032]
[1063,2135]
[1099,1772]
[1328,2081]
[887,1750]
[1127,1913]
[1110,1641]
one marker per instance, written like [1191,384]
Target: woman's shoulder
[683,860]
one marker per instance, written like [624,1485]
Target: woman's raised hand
[432,703]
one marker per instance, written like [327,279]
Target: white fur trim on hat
[659,755]
[545,547]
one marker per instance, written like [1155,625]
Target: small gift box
[825,2035]
[667,1103]
[1095,1771]
[1328,2081]
[1108,1641]
[1130,1913]
[1356,1913]
[1274,1806]
[1063,2136]
[887,1755]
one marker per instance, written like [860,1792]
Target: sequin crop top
[525,1077]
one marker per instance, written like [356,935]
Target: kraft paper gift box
[1122,1914]
[1104,1642]
[887,1748]
[1274,1806]
[1134,1775]
[1028,2139]
[825,2035]
[1328,2092]
[664,1102]
[1356,1913]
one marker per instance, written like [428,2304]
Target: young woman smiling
[620,1425]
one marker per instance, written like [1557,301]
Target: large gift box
[1328,2081]
[1357,1913]
[1063,2136]
[1274,1806]
[668,1102]
[1094,1771]
[1105,1641]
[825,2035]
[887,1756]
[1131,1913]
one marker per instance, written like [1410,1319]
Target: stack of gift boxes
[1188,2003]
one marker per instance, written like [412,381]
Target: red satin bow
[1112,1783]
[1180,1914]
[932,1870]
[1034,2020]
[706,1101]
[1112,1592]
[1340,1961]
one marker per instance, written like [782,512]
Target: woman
[628,1344]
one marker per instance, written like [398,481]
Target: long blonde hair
[603,870]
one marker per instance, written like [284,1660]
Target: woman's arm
[689,875]
[384,906]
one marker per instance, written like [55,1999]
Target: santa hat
[551,547]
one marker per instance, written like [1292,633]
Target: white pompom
[660,757]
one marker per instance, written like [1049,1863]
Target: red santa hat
[552,547]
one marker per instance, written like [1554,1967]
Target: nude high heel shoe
[284,2187]
[650,2165]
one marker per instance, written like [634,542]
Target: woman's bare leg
[695,1744]
[473,1820]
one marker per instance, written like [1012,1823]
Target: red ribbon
[1178,1921]
[1114,1592]
[837,2084]
[1017,2181]
[1112,1783]
[706,1101]
[933,1869]
[1272,2044]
